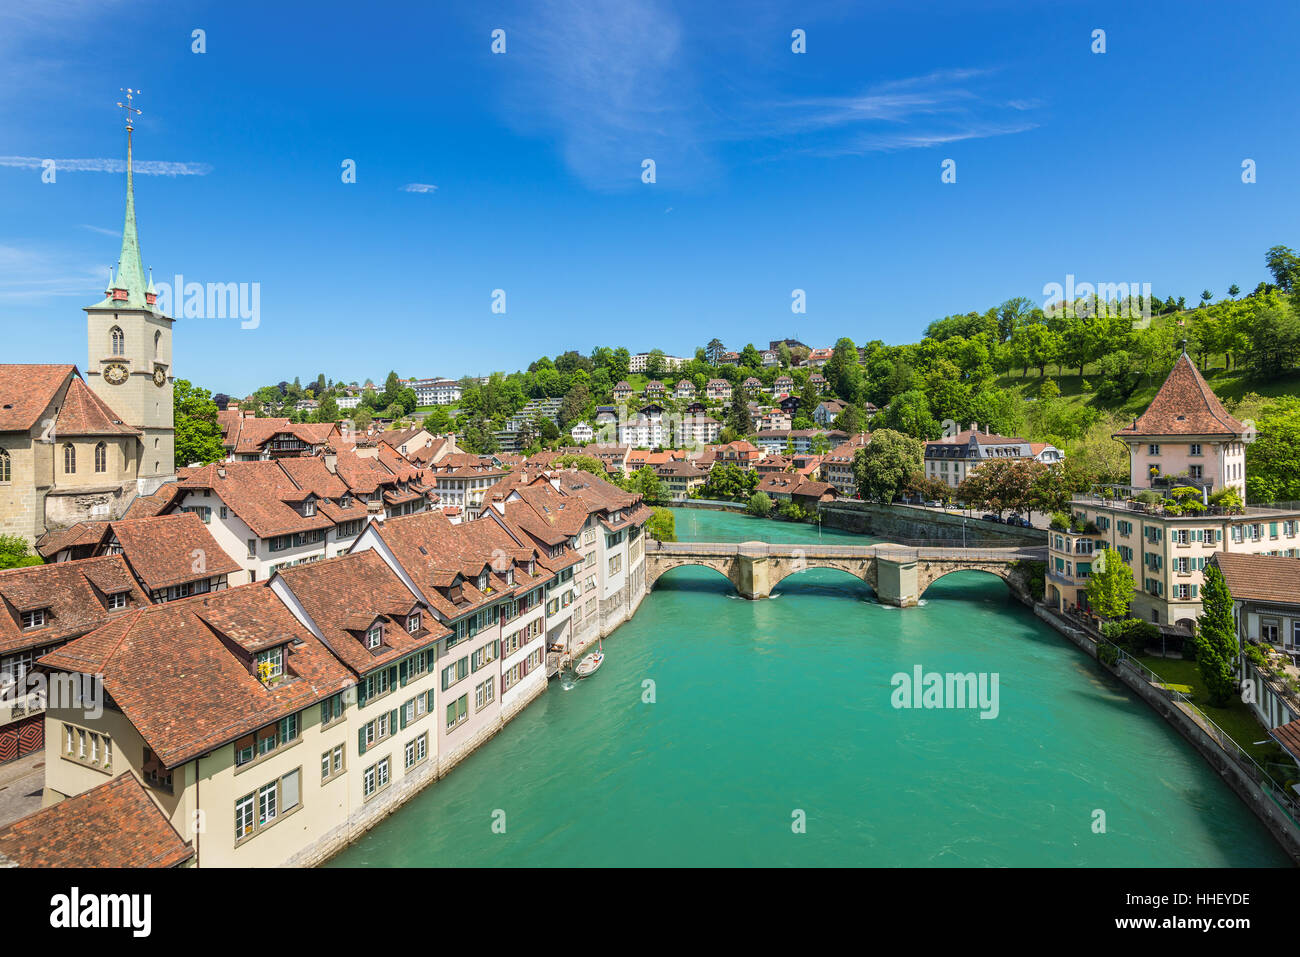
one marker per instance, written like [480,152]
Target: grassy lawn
[1227,385]
[1234,718]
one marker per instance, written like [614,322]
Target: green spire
[130,270]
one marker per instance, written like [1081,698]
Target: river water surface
[771,712]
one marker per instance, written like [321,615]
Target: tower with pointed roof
[1186,433]
[129,361]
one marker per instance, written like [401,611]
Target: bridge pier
[897,581]
[752,576]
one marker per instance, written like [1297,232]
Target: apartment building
[436,391]
[645,430]
[951,459]
[1167,542]
[718,390]
[641,362]
[684,389]
[622,390]
[680,479]
[697,431]
[837,466]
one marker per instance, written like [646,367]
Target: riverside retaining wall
[1279,824]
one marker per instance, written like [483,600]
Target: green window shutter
[392,718]
[402,672]
[361,693]
[429,695]
[361,741]
[392,676]
[402,713]
[1194,590]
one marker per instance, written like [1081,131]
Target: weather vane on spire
[127,108]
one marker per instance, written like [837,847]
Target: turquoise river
[764,709]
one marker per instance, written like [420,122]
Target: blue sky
[775,170]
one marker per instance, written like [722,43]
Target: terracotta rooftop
[115,824]
[1273,578]
[1185,405]
[344,596]
[183,673]
[170,549]
[73,594]
[26,391]
[84,413]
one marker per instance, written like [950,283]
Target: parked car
[990,517]
[934,503]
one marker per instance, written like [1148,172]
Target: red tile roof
[345,595]
[74,595]
[115,824]
[1185,405]
[183,673]
[167,550]
[26,391]
[84,413]
[1272,578]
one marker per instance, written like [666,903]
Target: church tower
[129,364]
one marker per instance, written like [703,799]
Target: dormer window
[532,567]
[117,600]
[308,508]
[483,581]
[270,663]
[413,623]
[510,576]
[34,619]
[345,501]
[375,636]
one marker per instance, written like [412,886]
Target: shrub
[1060,522]
[1108,655]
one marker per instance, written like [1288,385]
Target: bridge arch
[1003,573]
[864,573]
[725,573]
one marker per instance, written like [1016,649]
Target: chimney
[221,473]
[331,460]
[974,426]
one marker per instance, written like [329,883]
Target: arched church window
[101,457]
[119,341]
[157,344]
[69,458]
[5,466]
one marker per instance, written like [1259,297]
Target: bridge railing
[883,549]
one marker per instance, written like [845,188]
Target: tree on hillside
[843,374]
[1216,638]
[739,418]
[1110,585]
[851,420]
[909,413]
[882,469]
[1275,339]
[1273,459]
[760,504]
[1234,290]
[1000,485]
[438,421]
[1284,264]
[198,437]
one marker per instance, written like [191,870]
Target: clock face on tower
[115,373]
[159,376]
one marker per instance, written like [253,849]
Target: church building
[78,444]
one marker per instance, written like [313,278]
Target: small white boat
[588,665]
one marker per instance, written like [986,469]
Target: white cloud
[144,168]
[418,188]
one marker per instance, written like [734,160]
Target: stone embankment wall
[902,523]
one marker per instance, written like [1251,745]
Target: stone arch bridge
[899,575]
